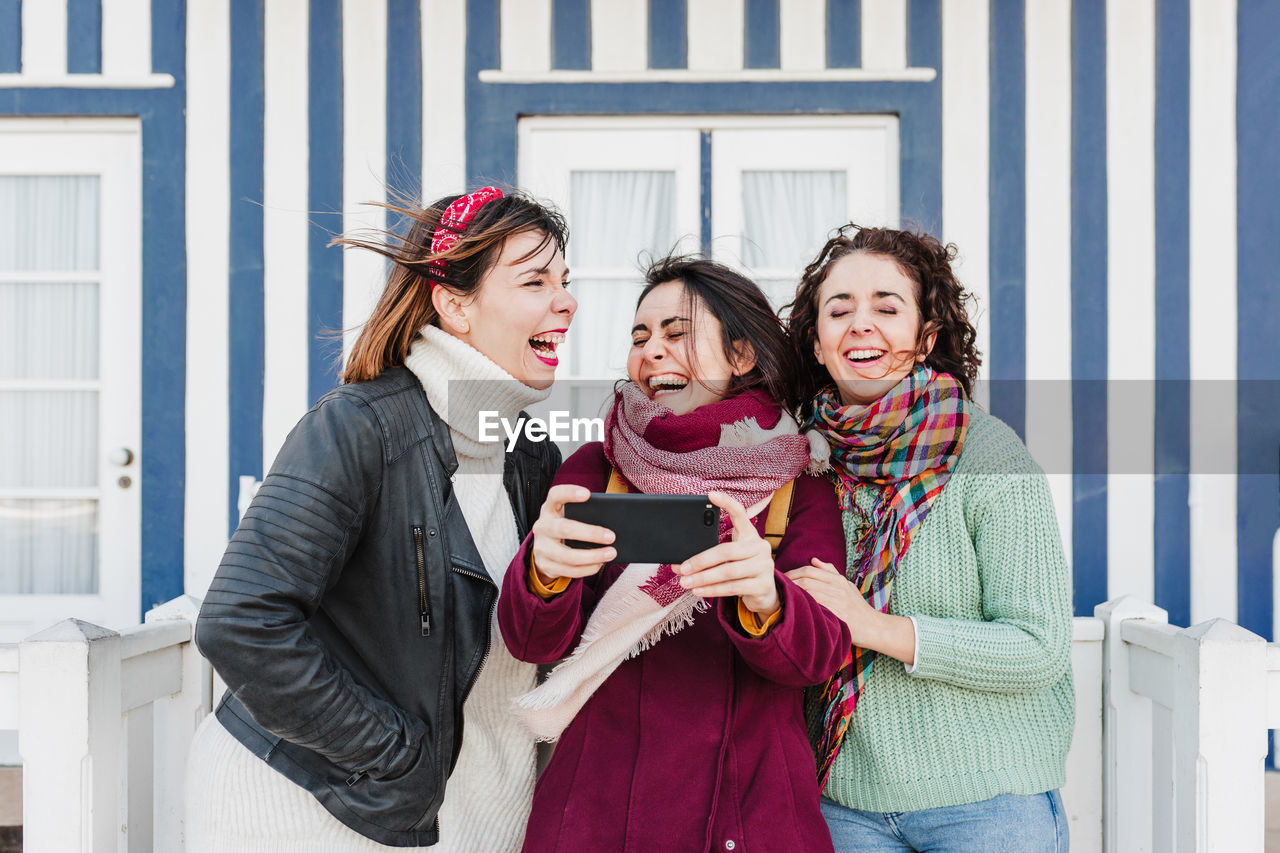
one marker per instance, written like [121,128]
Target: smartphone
[650,528]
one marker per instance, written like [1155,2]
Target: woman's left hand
[868,627]
[743,566]
[835,592]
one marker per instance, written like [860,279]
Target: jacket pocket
[424,595]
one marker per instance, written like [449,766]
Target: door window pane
[48,222]
[786,216]
[620,221]
[49,372]
[618,215]
[48,330]
[48,546]
[51,438]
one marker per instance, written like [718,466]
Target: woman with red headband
[352,615]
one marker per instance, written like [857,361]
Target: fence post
[176,720]
[69,738]
[1126,734]
[1220,737]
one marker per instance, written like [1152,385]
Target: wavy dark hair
[940,297]
[745,317]
[405,305]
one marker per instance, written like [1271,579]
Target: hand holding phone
[651,528]
[741,567]
[552,558]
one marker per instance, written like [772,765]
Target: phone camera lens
[708,517]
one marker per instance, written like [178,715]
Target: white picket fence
[1170,739]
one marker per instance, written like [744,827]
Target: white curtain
[786,217]
[620,220]
[48,336]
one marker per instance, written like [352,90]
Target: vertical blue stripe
[1173,329]
[169,38]
[164,313]
[570,34]
[10,36]
[404,99]
[84,36]
[1258,310]
[668,34]
[761,34]
[844,33]
[245,298]
[1089,301]
[921,141]
[1008,199]
[324,196]
[704,190]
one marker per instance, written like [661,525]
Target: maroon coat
[698,743]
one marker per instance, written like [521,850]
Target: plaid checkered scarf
[905,443]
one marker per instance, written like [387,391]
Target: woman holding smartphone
[679,710]
[948,725]
[350,616]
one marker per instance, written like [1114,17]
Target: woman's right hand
[551,557]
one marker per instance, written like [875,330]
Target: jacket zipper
[424,601]
[488,580]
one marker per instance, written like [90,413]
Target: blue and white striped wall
[1107,169]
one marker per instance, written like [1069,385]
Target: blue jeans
[1009,823]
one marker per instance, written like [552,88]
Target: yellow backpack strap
[775,523]
[616,485]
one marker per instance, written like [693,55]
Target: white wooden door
[70,378]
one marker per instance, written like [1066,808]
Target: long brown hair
[939,295]
[405,306]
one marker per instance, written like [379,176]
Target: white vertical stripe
[126,38]
[619,35]
[1048,264]
[444,149]
[966,195]
[364,153]
[208,244]
[284,222]
[884,34]
[525,29]
[716,32]
[1131,282]
[803,35]
[44,38]
[1213,308]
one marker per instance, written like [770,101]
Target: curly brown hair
[940,297]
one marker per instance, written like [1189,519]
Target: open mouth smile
[864,356]
[544,346]
[664,384]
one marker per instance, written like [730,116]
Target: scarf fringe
[819,453]
[623,625]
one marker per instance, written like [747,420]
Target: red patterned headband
[455,218]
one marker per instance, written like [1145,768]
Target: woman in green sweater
[957,594]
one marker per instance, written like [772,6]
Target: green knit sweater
[990,706]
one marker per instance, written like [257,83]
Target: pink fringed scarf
[718,447]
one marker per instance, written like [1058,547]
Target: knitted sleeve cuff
[934,649]
[915,655]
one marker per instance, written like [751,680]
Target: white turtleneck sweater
[487,799]
[235,802]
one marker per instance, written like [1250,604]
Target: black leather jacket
[350,614]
